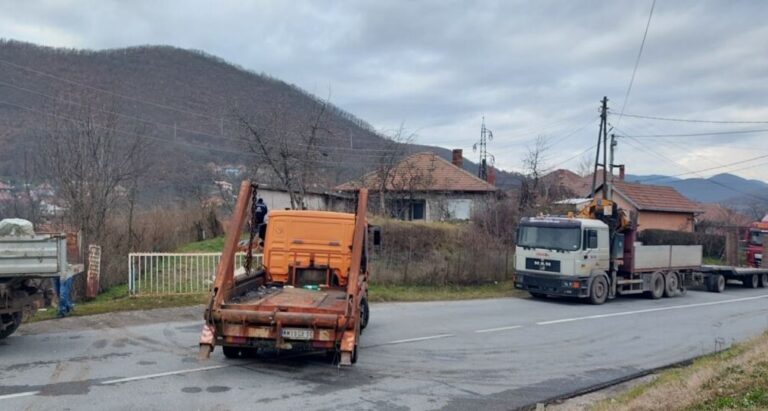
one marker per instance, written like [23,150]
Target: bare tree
[586,166]
[288,148]
[394,149]
[90,159]
[408,179]
[532,188]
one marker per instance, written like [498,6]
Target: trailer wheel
[657,286]
[672,284]
[764,280]
[11,322]
[751,281]
[598,291]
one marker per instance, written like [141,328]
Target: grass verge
[117,299]
[733,379]
[387,293]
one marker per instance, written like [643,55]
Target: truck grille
[552,266]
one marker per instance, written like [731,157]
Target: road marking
[165,374]
[431,337]
[490,330]
[651,310]
[19,394]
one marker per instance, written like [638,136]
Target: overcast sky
[531,68]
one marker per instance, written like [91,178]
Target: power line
[711,133]
[688,120]
[637,63]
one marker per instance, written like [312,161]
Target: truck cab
[755,239]
[560,255]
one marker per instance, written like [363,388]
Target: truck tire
[598,290]
[657,286]
[671,284]
[233,352]
[717,283]
[764,280]
[365,313]
[12,322]
[751,281]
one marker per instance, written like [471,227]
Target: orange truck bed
[310,294]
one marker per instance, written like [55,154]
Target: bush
[418,253]
[713,245]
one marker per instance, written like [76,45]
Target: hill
[718,188]
[185,102]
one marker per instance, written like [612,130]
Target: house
[656,207]
[424,186]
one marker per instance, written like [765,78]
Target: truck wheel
[11,322]
[718,283]
[751,281]
[354,355]
[657,286]
[365,313]
[233,352]
[598,291]
[764,280]
[672,285]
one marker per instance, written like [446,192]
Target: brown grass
[736,378]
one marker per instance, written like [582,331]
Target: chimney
[491,176]
[458,158]
[621,172]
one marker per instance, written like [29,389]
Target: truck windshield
[756,237]
[554,238]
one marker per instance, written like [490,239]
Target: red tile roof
[422,172]
[655,198]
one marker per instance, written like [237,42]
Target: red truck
[754,239]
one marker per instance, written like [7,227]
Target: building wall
[665,221]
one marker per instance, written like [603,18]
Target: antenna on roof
[481,146]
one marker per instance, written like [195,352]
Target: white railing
[176,273]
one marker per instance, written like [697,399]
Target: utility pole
[608,188]
[602,140]
[481,146]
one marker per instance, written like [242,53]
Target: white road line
[165,374]
[19,394]
[651,310]
[490,330]
[431,337]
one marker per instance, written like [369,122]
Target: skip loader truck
[310,293]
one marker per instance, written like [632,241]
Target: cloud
[531,68]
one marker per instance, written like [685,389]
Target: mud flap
[207,340]
[348,343]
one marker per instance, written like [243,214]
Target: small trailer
[716,276]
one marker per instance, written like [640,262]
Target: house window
[410,209]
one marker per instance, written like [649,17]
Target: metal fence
[176,273]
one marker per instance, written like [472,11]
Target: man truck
[310,294]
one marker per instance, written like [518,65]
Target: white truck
[579,257]
[27,260]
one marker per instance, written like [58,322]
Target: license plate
[297,334]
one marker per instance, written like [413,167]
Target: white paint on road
[19,394]
[408,340]
[165,374]
[492,330]
[651,310]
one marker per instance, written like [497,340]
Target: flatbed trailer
[716,276]
[310,294]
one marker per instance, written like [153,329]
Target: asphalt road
[482,354]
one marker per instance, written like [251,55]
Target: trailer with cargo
[310,293]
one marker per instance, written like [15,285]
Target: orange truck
[309,294]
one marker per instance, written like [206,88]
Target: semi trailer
[310,293]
